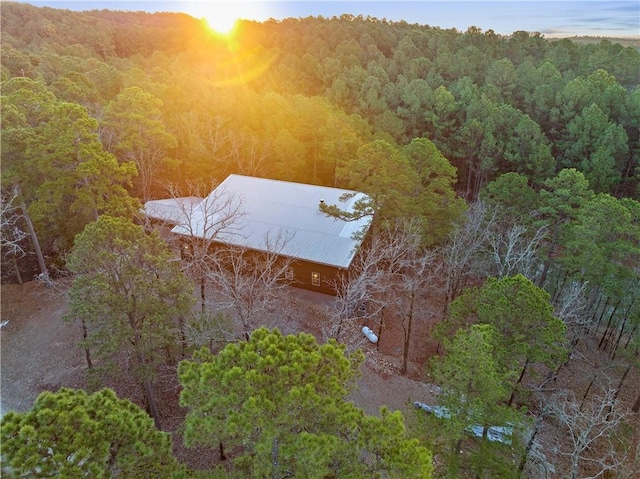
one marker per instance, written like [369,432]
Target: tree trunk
[552,250]
[606,333]
[202,294]
[636,405]
[543,276]
[624,376]
[469,176]
[17,269]
[479,181]
[575,465]
[615,395]
[527,449]
[622,380]
[407,335]
[560,286]
[624,323]
[584,396]
[147,390]
[614,349]
[554,374]
[87,353]
[380,325]
[515,388]
[604,310]
[339,329]
[183,336]
[630,336]
[223,456]
[595,312]
[150,401]
[32,234]
[454,287]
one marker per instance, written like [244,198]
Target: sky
[550,17]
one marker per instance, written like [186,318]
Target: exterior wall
[306,275]
[315,277]
[164,230]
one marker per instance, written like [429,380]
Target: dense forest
[504,175]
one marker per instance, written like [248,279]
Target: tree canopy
[102,109]
[70,433]
[180,105]
[277,405]
[522,315]
[51,150]
[128,294]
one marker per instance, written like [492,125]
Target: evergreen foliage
[129,296]
[526,96]
[526,330]
[102,109]
[51,150]
[70,433]
[277,405]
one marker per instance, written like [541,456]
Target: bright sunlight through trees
[223,17]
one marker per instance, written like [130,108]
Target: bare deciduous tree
[389,272]
[215,139]
[221,144]
[418,271]
[249,153]
[252,284]
[486,245]
[461,254]
[515,250]
[44,272]
[201,223]
[570,305]
[534,462]
[357,291]
[208,329]
[592,443]
[11,235]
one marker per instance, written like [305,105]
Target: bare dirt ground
[38,348]
[39,351]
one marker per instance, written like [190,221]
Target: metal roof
[279,216]
[171,210]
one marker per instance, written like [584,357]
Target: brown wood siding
[164,230]
[302,271]
[302,276]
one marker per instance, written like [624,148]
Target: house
[163,215]
[260,214]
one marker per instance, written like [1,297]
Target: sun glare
[222,20]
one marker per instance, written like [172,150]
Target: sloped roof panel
[284,217]
[171,210]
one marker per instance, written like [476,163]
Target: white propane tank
[371,336]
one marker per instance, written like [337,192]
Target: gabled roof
[279,213]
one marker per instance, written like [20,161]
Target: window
[315,279]
[186,251]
